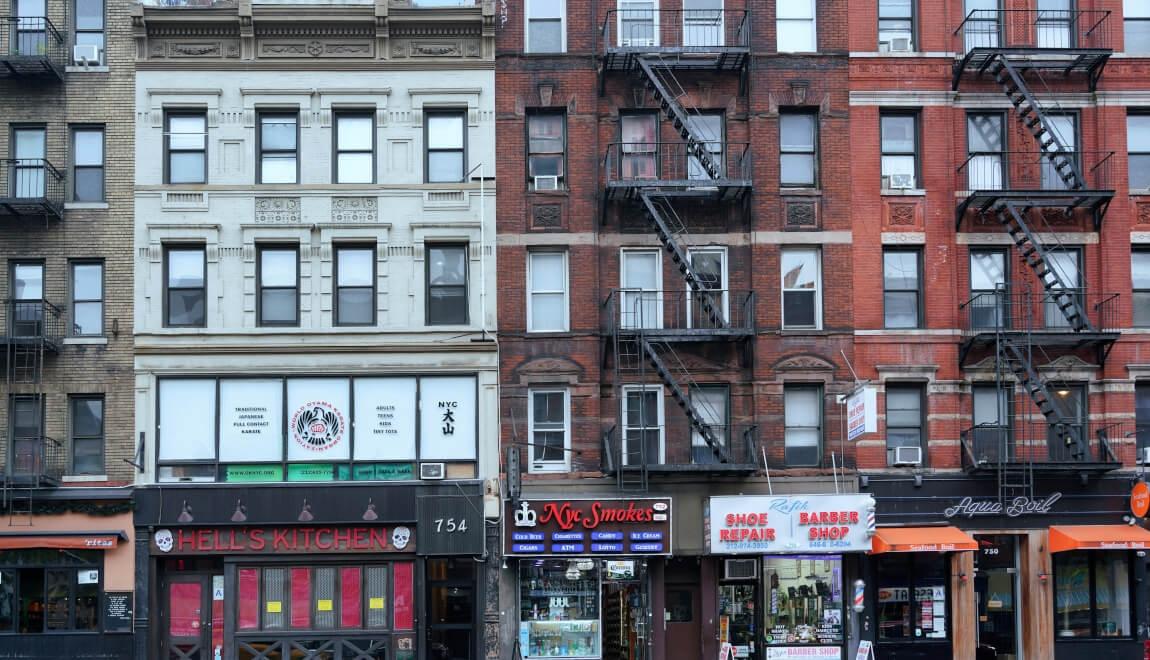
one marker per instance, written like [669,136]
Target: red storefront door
[192,615]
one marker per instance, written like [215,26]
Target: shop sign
[590,527]
[803,523]
[803,652]
[1140,499]
[281,540]
[118,611]
[969,507]
[862,409]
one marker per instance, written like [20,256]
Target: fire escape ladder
[1035,255]
[1030,112]
[678,380]
[668,93]
[1018,359]
[671,231]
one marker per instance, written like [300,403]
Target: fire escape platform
[686,335]
[38,67]
[680,58]
[1067,467]
[1095,201]
[25,207]
[714,190]
[1066,339]
[1067,61]
[718,469]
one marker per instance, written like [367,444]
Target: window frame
[1143,115]
[920,394]
[565,324]
[1003,153]
[919,290]
[527,20]
[818,292]
[466,281]
[913,575]
[179,247]
[913,20]
[916,117]
[350,113]
[73,436]
[96,563]
[1128,19]
[427,150]
[539,466]
[561,184]
[261,152]
[168,151]
[336,286]
[814,20]
[1093,560]
[1143,252]
[813,153]
[102,31]
[102,167]
[73,300]
[1142,414]
[627,151]
[660,421]
[261,249]
[817,388]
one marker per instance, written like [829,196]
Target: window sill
[1136,192]
[913,192]
[558,469]
[91,206]
[561,192]
[803,191]
[548,333]
[83,478]
[85,341]
[87,69]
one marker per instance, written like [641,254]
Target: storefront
[585,572]
[787,565]
[340,571]
[1052,575]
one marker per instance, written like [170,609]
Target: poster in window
[447,422]
[318,415]
[117,611]
[251,419]
[385,419]
[187,419]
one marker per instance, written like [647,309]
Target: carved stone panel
[902,214]
[800,214]
[1143,213]
[546,216]
[316,49]
[354,209]
[277,210]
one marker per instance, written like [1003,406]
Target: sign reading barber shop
[799,523]
[589,527]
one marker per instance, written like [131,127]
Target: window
[638,23]
[549,429]
[803,417]
[90,27]
[278,147]
[26,314]
[641,281]
[446,284]
[47,591]
[355,285]
[708,129]
[547,292]
[795,26]
[904,422]
[798,149]
[989,294]
[895,25]
[1063,126]
[1140,273]
[1138,147]
[1142,414]
[703,23]
[546,32]
[186,297]
[1092,594]
[28,178]
[546,142]
[902,289]
[801,284]
[445,147]
[709,264]
[982,28]
[87,414]
[278,297]
[640,142]
[899,150]
[87,299]
[546,583]
[909,586]
[355,147]
[1137,25]
[712,404]
[993,417]
[818,582]
[88,164]
[187,147]
[642,425]
[985,148]
[27,440]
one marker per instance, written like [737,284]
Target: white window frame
[619,41]
[724,282]
[818,290]
[1130,14]
[565,323]
[527,16]
[537,466]
[660,421]
[657,292]
[782,21]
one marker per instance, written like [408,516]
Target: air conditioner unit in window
[546,183]
[637,42]
[884,46]
[85,54]
[740,569]
[901,181]
[908,455]
[431,470]
[1144,455]
[900,45]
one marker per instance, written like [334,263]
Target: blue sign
[528,547]
[567,536]
[646,547]
[606,536]
[606,547]
[567,548]
[646,536]
[526,536]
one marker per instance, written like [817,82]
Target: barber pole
[871,525]
[860,590]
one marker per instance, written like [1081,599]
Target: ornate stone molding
[804,363]
[277,210]
[354,209]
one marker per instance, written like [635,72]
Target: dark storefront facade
[959,571]
[336,571]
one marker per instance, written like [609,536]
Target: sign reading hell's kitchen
[589,527]
[282,540]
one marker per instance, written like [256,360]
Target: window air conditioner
[908,455]
[546,183]
[431,471]
[900,45]
[1144,455]
[901,181]
[884,46]
[85,54]
[740,569]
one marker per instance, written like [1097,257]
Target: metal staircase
[671,231]
[668,92]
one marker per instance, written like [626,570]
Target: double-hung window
[87,419]
[904,422]
[355,285]
[87,299]
[1136,15]
[899,136]
[550,430]
[985,149]
[895,26]
[803,420]
[355,147]
[447,284]
[26,309]
[547,292]
[1138,150]
[643,425]
[798,149]
[90,27]
[88,164]
[638,135]
[29,171]
[185,295]
[446,154]
[279,285]
[795,26]
[187,147]
[546,144]
[802,285]
[1140,274]
[546,32]
[279,147]
[902,289]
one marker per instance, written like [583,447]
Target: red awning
[68,540]
[921,539]
[1098,537]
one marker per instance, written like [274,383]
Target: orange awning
[71,541]
[921,539]
[1098,537]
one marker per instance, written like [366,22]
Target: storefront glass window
[315,598]
[559,608]
[804,599]
[737,617]
[49,591]
[912,597]
[1092,594]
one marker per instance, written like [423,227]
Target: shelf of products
[559,609]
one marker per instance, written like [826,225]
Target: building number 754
[450,525]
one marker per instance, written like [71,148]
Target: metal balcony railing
[990,445]
[704,314]
[982,174]
[680,448]
[663,164]
[34,460]
[687,30]
[1037,29]
[31,186]
[31,46]
[995,311]
[28,321]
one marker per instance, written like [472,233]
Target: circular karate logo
[317,425]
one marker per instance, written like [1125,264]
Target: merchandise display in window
[559,608]
[804,599]
[737,618]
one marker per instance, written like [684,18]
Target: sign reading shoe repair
[795,523]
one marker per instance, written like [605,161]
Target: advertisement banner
[317,419]
[862,412]
[590,527]
[797,523]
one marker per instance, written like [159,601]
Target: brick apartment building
[66,556]
[700,201]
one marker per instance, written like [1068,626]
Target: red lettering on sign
[323,539]
[342,538]
[379,538]
[279,539]
[256,540]
[360,540]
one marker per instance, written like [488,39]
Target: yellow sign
[375,604]
[724,629]
[275,607]
[323,605]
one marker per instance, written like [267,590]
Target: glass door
[1066,264]
[31,26]
[995,594]
[451,608]
[28,170]
[1068,441]
[642,283]
[193,629]
[626,610]
[737,613]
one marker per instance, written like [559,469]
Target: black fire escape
[646,330]
[1025,323]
